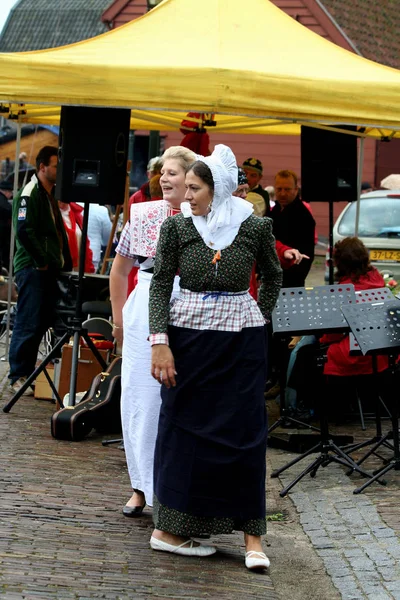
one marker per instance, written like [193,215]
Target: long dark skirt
[209,468]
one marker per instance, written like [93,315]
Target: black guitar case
[100,408]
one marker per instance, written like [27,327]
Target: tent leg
[12,241]
[359,181]
[331,224]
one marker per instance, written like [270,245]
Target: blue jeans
[37,295]
[290,393]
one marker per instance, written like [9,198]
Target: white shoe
[17,385]
[183,549]
[256,560]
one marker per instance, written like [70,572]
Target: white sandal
[256,560]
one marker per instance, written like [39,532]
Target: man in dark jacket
[294,226]
[41,253]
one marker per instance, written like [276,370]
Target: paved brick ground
[63,536]
[356,536]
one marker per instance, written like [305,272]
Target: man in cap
[254,171]
[366,187]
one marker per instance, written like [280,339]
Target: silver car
[379,228]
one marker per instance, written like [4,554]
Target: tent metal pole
[359,181]
[12,242]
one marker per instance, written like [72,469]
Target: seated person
[352,265]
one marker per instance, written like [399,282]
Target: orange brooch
[217,257]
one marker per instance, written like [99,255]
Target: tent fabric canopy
[245,61]
[171,121]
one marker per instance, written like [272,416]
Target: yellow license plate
[388,255]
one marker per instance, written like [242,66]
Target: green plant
[276,517]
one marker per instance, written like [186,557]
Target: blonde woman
[140,400]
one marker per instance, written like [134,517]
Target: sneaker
[17,385]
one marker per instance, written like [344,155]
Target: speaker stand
[75,329]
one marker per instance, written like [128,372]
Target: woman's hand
[163,365]
[295,255]
[118,334]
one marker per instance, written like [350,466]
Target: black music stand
[74,329]
[376,327]
[298,308]
[302,311]
[363,296]
[378,439]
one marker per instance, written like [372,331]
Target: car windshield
[379,217]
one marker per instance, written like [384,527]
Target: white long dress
[140,397]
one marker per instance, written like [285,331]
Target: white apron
[140,398]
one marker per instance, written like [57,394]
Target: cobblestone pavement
[62,534]
[360,551]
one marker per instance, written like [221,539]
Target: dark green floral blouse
[181,250]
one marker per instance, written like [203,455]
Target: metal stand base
[77,332]
[395,461]
[329,452]
[394,464]
[119,441]
[74,329]
[285,418]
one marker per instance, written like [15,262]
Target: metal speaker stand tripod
[74,330]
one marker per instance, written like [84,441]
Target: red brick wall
[133,10]
[388,159]
[282,152]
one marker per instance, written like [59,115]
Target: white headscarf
[221,225]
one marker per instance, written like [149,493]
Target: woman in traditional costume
[209,352]
[140,399]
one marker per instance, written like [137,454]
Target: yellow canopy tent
[246,61]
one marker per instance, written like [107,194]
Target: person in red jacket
[144,193]
[72,215]
[352,264]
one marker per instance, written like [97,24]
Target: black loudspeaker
[328,165]
[92,155]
